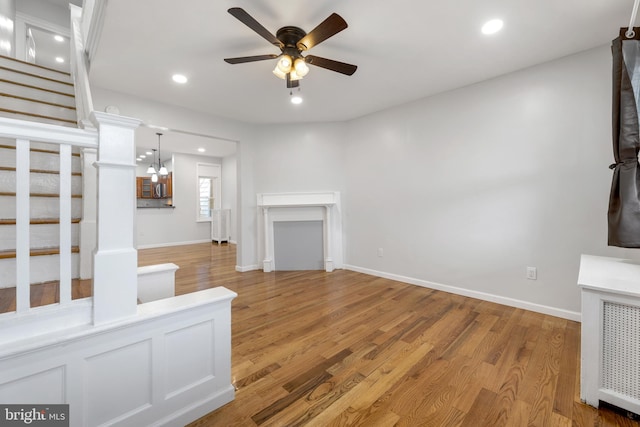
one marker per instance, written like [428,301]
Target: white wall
[165,227]
[230,192]
[463,189]
[282,159]
[177,225]
[470,187]
[46,11]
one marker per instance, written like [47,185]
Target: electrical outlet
[532,273]
[380,252]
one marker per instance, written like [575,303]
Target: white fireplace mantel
[302,206]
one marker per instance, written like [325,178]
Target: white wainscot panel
[42,387]
[110,396]
[190,357]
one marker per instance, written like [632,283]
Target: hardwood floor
[344,348]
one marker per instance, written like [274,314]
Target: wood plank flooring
[344,348]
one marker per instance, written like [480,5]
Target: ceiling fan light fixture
[300,67]
[284,63]
[295,76]
[279,74]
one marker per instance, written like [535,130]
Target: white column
[115,261]
[267,264]
[88,157]
[328,258]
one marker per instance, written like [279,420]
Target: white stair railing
[24,134]
[79,71]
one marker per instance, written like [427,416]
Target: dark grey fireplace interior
[298,245]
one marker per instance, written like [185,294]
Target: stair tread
[37,76]
[25,98]
[37,150]
[65,73]
[38,88]
[9,193]
[12,169]
[38,252]
[38,116]
[38,221]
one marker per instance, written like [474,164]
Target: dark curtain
[624,201]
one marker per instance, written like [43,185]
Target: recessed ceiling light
[58,38]
[59,59]
[493,26]
[148,153]
[142,156]
[296,99]
[139,159]
[201,150]
[179,78]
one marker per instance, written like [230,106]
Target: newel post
[115,260]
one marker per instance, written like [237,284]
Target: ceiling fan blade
[327,28]
[243,59]
[330,64]
[250,22]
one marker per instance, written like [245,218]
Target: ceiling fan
[292,41]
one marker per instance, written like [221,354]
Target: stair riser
[40,207]
[36,81]
[35,107]
[42,183]
[42,269]
[33,69]
[37,160]
[41,95]
[41,236]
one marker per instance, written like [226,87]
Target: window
[205,197]
[208,191]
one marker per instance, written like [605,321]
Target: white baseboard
[164,245]
[538,308]
[199,409]
[245,268]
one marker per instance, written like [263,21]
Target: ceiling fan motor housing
[290,36]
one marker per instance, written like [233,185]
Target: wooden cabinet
[163,189]
[143,188]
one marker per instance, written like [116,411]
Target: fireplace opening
[298,245]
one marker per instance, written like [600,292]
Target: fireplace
[282,207]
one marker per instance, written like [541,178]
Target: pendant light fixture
[154,176]
[151,169]
[162,170]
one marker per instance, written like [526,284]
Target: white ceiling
[404,50]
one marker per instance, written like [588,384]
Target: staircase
[34,93]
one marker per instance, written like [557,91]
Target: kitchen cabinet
[146,189]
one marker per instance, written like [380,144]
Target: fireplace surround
[324,206]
